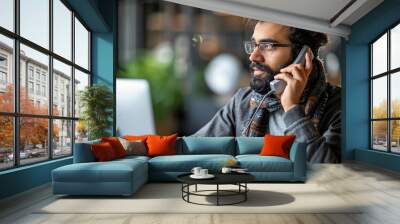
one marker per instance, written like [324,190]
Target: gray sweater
[323,142]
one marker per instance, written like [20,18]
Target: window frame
[388,74]
[16,115]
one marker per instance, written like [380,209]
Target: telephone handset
[277,86]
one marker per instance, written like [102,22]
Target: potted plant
[96,102]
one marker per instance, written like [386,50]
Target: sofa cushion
[112,171]
[116,145]
[161,145]
[185,163]
[134,147]
[257,163]
[277,145]
[103,152]
[131,158]
[249,145]
[206,145]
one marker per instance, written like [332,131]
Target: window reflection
[379,98]
[379,55]
[33,140]
[379,135]
[395,47]
[32,60]
[34,21]
[7,14]
[6,74]
[62,138]
[62,29]
[81,45]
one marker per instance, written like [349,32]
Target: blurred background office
[193,61]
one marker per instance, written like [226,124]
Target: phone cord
[246,130]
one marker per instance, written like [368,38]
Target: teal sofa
[125,176]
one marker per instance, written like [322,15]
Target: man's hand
[295,76]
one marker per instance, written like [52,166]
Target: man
[308,107]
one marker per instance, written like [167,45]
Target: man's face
[267,63]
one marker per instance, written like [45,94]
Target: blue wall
[24,178]
[101,17]
[104,51]
[356,85]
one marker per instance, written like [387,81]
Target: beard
[260,83]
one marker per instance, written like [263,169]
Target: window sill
[25,167]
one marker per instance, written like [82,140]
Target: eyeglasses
[250,46]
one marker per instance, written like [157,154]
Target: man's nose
[256,56]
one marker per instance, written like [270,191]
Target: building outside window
[57,135]
[3,72]
[30,87]
[30,72]
[384,91]
[43,90]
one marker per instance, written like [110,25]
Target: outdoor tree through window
[385,94]
[41,122]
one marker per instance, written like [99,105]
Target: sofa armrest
[298,156]
[83,152]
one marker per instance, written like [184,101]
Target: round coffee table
[238,179]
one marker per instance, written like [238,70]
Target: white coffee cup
[226,170]
[203,172]
[196,170]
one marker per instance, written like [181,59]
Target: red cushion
[103,151]
[161,145]
[116,145]
[277,145]
[136,137]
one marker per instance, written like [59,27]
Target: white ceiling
[325,16]
[321,9]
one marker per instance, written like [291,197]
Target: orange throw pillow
[136,137]
[161,145]
[103,152]
[116,145]
[277,145]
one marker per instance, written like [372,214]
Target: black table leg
[188,189]
[217,194]
[245,193]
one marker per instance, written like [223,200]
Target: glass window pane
[81,45]
[33,140]
[35,21]
[81,131]
[379,135]
[395,136]
[395,47]
[379,97]
[6,74]
[395,94]
[62,89]
[62,29]
[379,55]
[34,97]
[6,142]
[7,14]
[62,138]
[81,81]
